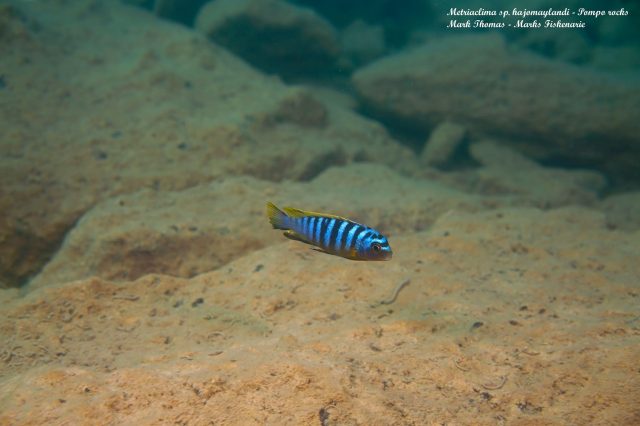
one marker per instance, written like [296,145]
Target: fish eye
[376,247]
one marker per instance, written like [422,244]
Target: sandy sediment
[508,318]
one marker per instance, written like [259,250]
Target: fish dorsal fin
[293,212]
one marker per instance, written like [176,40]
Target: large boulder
[142,103]
[556,112]
[188,232]
[192,231]
[273,35]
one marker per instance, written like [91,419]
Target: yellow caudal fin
[278,218]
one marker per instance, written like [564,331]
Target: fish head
[377,248]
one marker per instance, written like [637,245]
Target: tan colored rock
[273,35]
[509,173]
[300,108]
[189,232]
[290,335]
[552,109]
[442,144]
[151,106]
[623,211]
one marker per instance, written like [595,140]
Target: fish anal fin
[321,251]
[292,235]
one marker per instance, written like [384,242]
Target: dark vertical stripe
[334,234]
[341,234]
[303,225]
[327,234]
[311,229]
[345,238]
[322,222]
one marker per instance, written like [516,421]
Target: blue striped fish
[332,234]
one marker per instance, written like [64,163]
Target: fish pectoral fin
[351,254]
[293,235]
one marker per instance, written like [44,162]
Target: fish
[331,234]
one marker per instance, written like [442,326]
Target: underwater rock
[273,35]
[620,58]
[300,108]
[188,232]
[15,25]
[397,20]
[554,110]
[619,32]
[495,155]
[286,335]
[623,211]
[179,233]
[183,11]
[569,46]
[130,114]
[363,42]
[508,172]
[442,144]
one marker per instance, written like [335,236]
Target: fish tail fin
[278,218]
